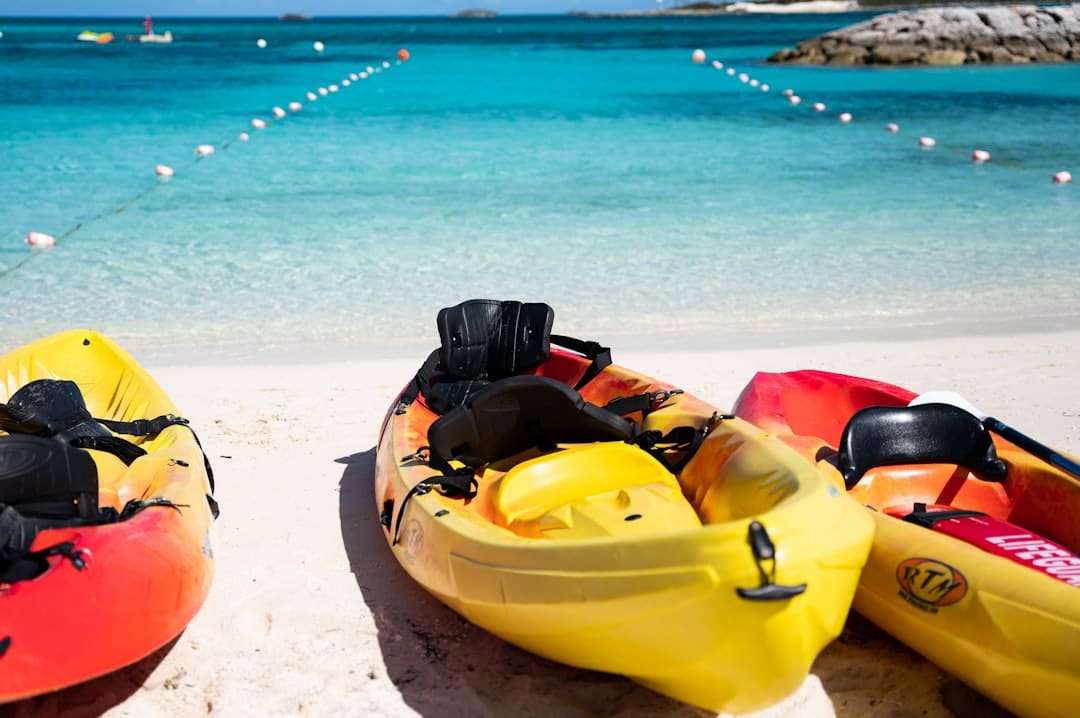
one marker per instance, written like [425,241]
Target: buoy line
[41,241]
[977,155]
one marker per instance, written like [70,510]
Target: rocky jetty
[949,36]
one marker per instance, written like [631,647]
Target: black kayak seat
[518,413]
[924,434]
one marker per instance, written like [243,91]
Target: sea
[589,163]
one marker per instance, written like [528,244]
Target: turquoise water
[583,162]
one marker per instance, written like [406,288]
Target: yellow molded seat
[606,488]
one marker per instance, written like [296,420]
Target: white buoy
[333,88]
[323,91]
[386,65]
[363,76]
[819,107]
[892,127]
[980,156]
[730,71]
[318,46]
[278,112]
[927,142]
[204,150]
[718,65]
[698,56]
[754,83]
[346,82]
[788,92]
[845,117]
[353,76]
[369,69]
[164,171]
[40,239]
[1063,177]
[244,137]
[258,124]
[261,43]
[295,106]
[311,96]
[764,87]
[743,77]
[794,99]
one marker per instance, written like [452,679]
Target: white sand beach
[311,615]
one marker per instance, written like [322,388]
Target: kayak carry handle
[763,549]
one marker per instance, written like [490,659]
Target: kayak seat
[518,413]
[484,340]
[923,434]
[598,489]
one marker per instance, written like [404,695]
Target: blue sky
[273,8]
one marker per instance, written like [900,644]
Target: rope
[819,108]
[202,152]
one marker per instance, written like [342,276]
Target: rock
[949,36]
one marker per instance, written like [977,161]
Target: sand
[311,615]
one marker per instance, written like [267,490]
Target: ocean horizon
[584,162]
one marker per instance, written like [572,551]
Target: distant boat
[290,16]
[97,37]
[150,35]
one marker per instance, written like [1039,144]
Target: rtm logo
[929,584]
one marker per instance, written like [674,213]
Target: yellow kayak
[976,555]
[105,514]
[606,520]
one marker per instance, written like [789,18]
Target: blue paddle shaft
[1032,446]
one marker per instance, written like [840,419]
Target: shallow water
[583,162]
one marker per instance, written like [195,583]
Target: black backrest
[491,339]
[518,413]
[924,434]
[47,478]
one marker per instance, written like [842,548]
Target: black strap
[927,519]
[458,484]
[682,439]
[645,402]
[149,427]
[121,448]
[599,354]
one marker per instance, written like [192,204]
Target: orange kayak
[105,515]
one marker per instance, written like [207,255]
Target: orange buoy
[1063,177]
[892,127]
[698,56]
[164,171]
[980,156]
[40,239]
[927,142]
[403,54]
